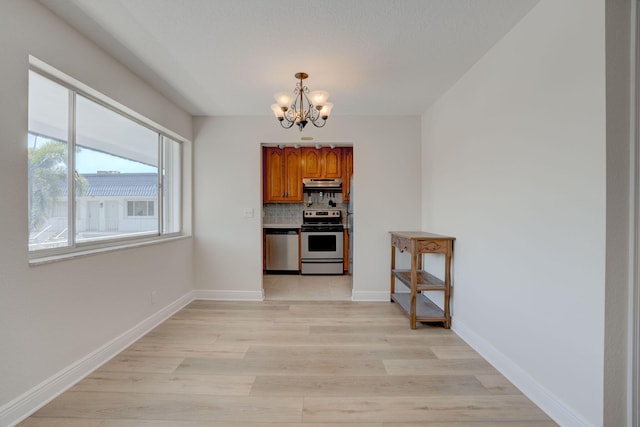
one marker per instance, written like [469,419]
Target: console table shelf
[418,306]
[426,281]
[426,310]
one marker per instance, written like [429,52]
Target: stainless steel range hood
[322,184]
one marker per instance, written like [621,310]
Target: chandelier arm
[288,125]
[290,115]
[310,110]
[314,116]
[319,124]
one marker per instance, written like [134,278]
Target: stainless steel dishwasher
[282,249]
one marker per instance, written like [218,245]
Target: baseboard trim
[228,295]
[541,396]
[359,296]
[26,404]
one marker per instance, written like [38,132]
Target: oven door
[322,245]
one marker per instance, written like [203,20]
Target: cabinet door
[293,175]
[282,175]
[274,177]
[347,172]
[332,161]
[311,162]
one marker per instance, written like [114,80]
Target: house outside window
[124,175]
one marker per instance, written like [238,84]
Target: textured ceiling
[228,57]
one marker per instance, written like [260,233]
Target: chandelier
[302,107]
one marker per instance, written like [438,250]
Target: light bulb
[318,98]
[277,111]
[283,99]
[326,109]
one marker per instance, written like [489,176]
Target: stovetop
[322,220]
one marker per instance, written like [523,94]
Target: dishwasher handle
[282,231]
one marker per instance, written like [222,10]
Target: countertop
[346,226]
[280,225]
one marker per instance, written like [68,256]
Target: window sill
[94,251]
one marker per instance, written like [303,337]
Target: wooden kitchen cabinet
[282,175]
[419,307]
[332,162]
[311,162]
[347,172]
[325,162]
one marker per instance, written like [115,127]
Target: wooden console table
[418,307]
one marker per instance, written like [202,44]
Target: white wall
[53,315]
[227,166]
[514,167]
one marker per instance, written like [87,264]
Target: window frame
[75,247]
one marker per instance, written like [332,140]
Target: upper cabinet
[322,162]
[293,174]
[332,158]
[282,175]
[311,162]
[284,168]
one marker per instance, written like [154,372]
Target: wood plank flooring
[286,364]
[296,287]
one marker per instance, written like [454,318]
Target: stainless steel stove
[322,242]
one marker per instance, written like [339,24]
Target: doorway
[93,216]
[112,215]
[286,171]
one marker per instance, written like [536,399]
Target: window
[123,174]
[140,208]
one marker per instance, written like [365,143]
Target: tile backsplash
[291,213]
[282,213]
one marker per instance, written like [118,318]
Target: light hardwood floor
[295,287]
[279,363]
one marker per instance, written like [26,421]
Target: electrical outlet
[154,294]
[248,212]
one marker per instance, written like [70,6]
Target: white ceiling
[228,57]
